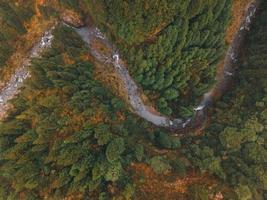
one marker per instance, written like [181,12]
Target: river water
[12,87]
[91,34]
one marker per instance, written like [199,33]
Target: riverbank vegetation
[12,20]
[171,47]
[59,139]
[234,147]
[67,136]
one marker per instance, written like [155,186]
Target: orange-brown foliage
[38,3]
[67,60]
[238,9]
[97,118]
[168,186]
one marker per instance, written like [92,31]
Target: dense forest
[234,147]
[68,136]
[63,138]
[172,47]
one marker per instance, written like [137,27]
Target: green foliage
[50,143]
[102,134]
[114,149]
[103,196]
[172,47]
[166,141]
[99,170]
[204,158]
[47,12]
[128,192]
[12,17]
[72,4]
[243,192]
[254,153]
[171,94]
[234,147]
[113,172]
[139,152]
[159,164]
[198,192]
[178,166]
[230,138]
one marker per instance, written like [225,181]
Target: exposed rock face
[72,18]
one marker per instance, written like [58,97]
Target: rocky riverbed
[12,87]
[92,34]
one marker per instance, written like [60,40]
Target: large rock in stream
[72,18]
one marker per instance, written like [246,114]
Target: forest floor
[171,186]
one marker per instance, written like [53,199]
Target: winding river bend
[91,34]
